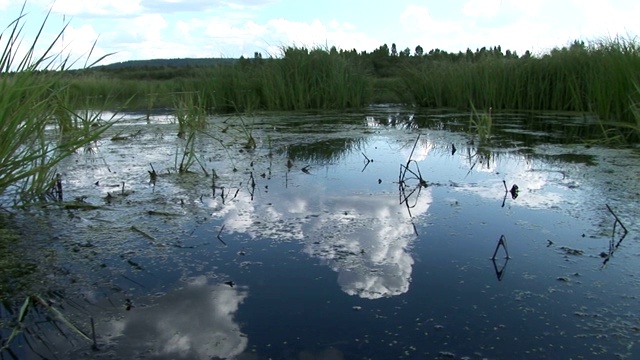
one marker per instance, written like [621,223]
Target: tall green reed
[298,80]
[192,119]
[482,124]
[597,78]
[36,123]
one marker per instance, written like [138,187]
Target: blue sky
[145,29]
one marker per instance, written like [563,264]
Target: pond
[378,234]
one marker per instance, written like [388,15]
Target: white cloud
[420,28]
[482,8]
[78,42]
[230,32]
[299,32]
[416,18]
[97,7]
[316,33]
[527,8]
[147,27]
[200,6]
[603,18]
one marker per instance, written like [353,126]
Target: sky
[145,29]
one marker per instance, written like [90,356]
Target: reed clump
[598,78]
[38,127]
[300,79]
[482,124]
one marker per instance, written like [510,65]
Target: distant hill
[192,62]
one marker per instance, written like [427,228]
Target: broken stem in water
[617,219]
[412,150]
[502,242]
[93,335]
[219,238]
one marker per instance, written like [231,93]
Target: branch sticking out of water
[617,219]
[412,150]
[514,192]
[153,175]
[367,161]
[405,168]
[94,347]
[501,242]
[613,245]
[219,238]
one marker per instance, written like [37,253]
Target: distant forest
[167,62]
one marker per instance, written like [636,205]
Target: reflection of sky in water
[369,247]
[434,285]
[194,322]
[358,227]
[542,185]
[365,238]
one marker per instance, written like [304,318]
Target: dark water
[314,245]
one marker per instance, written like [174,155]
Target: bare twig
[219,238]
[414,149]
[134,228]
[93,335]
[502,242]
[617,219]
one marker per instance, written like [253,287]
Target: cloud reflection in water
[364,238]
[369,247]
[195,322]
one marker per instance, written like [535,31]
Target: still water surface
[340,236]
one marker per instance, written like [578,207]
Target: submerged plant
[32,100]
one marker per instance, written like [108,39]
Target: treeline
[387,61]
[157,69]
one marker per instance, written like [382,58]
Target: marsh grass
[245,133]
[598,78]
[189,114]
[481,123]
[187,157]
[33,99]
[192,119]
[196,125]
[299,79]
